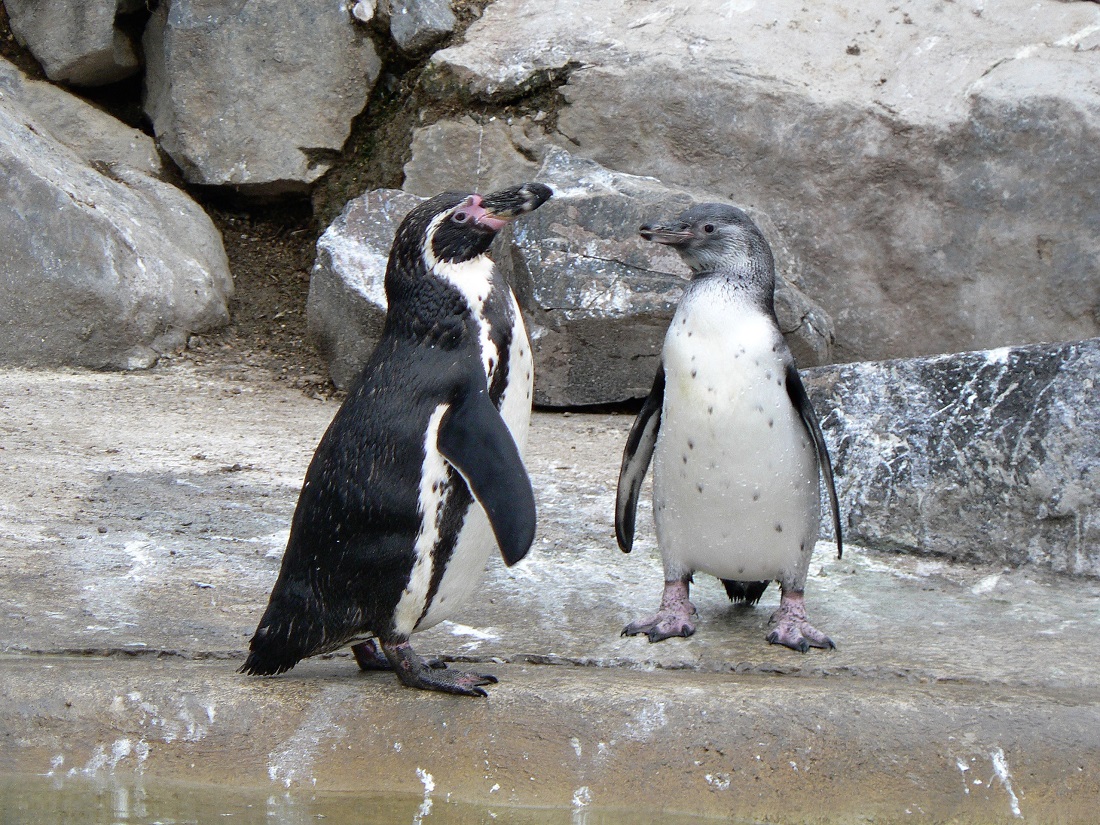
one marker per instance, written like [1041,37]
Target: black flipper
[744,592]
[474,439]
[797,392]
[636,458]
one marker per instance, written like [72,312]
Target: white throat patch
[474,280]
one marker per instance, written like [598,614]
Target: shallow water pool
[78,800]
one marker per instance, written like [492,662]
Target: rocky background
[207,178]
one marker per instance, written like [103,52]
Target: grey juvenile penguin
[736,446]
[419,475]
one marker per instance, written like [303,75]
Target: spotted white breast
[735,478]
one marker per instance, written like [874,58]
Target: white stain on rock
[428,781]
[293,760]
[720,781]
[1000,770]
[107,758]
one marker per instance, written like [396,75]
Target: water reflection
[42,800]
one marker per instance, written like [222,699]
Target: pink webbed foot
[674,618]
[792,628]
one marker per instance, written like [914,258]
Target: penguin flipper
[636,457]
[474,439]
[796,390]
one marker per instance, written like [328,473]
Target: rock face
[101,140]
[987,457]
[347,297]
[101,270]
[77,41]
[416,25]
[259,96]
[597,299]
[466,155]
[930,166]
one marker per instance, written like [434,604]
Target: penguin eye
[708,228]
[460,217]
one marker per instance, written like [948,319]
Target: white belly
[735,478]
[476,541]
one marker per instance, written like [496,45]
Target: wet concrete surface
[142,519]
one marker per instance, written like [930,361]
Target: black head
[454,227]
[713,237]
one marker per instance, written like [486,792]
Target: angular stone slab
[466,155]
[417,25]
[984,457]
[931,165]
[102,271]
[259,96]
[77,41]
[597,299]
[100,139]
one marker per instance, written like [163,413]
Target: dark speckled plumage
[352,544]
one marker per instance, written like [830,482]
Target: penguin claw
[660,627]
[412,671]
[793,630]
[674,617]
[370,658]
[460,682]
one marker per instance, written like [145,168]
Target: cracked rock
[598,299]
[466,155]
[982,457]
[77,41]
[259,95]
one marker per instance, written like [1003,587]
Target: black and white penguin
[420,473]
[736,446]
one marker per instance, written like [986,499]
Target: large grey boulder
[930,165]
[465,155]
[596,298]
[77,41]
[98,138]
[986,457]
[257,95]
[102,271]
[347,296]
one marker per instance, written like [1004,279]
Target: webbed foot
[792,628]
[674,618]
[415,672]
[369,657]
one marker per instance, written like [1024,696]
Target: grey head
[719,239]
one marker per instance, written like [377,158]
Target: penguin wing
[797,392]
[474,439]
[636,458]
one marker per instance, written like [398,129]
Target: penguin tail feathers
[280,642]
[747,593]
[269,655]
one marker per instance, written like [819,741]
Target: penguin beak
[668,235]
[506,205]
